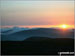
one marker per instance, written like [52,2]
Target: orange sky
[37,13]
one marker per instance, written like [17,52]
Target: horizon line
[34,26]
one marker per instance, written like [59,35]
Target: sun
[64,26]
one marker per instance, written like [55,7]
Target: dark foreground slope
[37,45]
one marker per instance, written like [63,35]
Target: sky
[37,13]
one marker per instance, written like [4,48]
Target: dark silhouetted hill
[37,46]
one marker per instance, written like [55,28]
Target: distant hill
[7,31]
[38,32]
